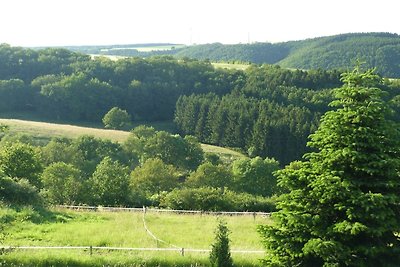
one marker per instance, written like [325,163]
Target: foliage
[145,143]
[20,161]
[3,127]
[62,183]
[214,199]
[338,51]
[63,85]
[117,119]
[18,191]
[93,150]
[267,128]
[153,177]
[341,208]
[209,175]
[220,255]
[109,183]
[61,150]
[255,176]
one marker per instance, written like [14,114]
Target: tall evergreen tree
[342,206]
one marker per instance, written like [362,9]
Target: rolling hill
[44,131]
[380,50]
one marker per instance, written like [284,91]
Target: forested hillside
[380,50]
[64,85]
[265,110]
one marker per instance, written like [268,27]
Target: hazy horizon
[103,22]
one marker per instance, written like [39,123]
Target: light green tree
[21,161]
[117,119]
[209,175]
[110,183]
[62,183]
[342,205]
[153,177]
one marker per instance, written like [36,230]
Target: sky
[105,22]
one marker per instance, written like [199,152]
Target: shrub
[212,199]
[18,191]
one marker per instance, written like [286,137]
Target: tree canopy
[117,119]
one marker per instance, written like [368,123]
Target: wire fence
[182,251]
[144,210]
[216,213]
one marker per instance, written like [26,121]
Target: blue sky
[90,22]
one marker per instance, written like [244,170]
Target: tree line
[264,117]
[64,85]
[380,50]
[271,115]
[151,168]
[265,110]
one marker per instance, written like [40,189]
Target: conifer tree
[342,206]
[220,255]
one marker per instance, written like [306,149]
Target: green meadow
[61,227]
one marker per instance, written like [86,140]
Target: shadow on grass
[34,214]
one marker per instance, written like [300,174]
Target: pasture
[230,66]
[61,227]
[44,131]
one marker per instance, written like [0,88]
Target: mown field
[44,131]
[28,227]
[231,66]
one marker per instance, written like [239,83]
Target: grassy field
[235,66]
[44,131]
[122,229]
[157,48]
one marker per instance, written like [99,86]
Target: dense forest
[380,50]
[265,110]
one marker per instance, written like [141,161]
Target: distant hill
[380,50]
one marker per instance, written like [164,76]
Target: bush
[18,191]
[212,199]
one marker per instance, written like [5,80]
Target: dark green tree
[342,205]
[255,175]
[220,255]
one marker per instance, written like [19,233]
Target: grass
[158,48]
[234,66]
[44,131]
[121,229]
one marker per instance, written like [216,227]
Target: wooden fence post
[182,251]
[91,250]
